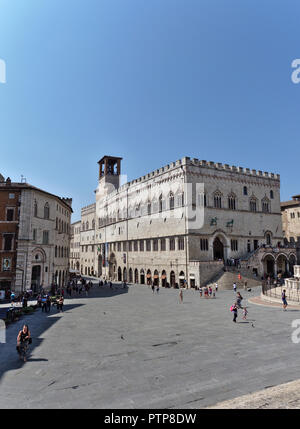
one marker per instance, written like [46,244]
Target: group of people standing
[208,292]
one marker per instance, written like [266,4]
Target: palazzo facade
[179,224]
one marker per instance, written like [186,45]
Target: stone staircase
[225,279]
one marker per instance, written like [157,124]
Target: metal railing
[275,291]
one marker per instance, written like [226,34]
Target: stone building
[41,240]
[75,246]
[9,221]
[179,224]
[87,241]
[290,211]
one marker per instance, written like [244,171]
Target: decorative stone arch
[282,264]
[268,237]
[253,203]
[149,277]
[155,278]
[220,245]
[171,200]
[232,200]
[124,274]
[217,196]
[172,279]
[136,276]
[292,262]
[266,205]
[112,263]
[269,262]
[38,251]
[130,275]
[181,279]
[119,274]
[163,278]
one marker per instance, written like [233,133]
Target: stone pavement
[258,300]
[283,396]
[132,349]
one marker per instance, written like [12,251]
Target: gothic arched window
[232,202]
[171,201]
[217,200]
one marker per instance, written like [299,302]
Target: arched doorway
[282,263]
[181,279]
[100,262]
[130,275]
[218,249]
[142,274]
[172,279]
[149,279]
[36,278]
[124,274]
[269,265]
[136,276]
[164,278]
[155,278]
[119,274]
[112,263]
[292,262]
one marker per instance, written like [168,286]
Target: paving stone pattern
[132,349]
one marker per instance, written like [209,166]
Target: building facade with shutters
[75,246]
[41,241]
[87,241]
[179,224]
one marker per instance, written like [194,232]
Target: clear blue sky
[151,81]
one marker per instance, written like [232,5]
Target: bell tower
[109,172]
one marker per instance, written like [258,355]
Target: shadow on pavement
[38,323]
[98,292]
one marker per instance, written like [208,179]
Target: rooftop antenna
[23,179]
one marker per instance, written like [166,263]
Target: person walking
[23,340]
[205,292]
[239,299]
[245,312]
[234,287]
[48,303]
[216,287]
[181,296]
[284,301]
[210,291]
[153,287]
[235,312]
[157,289]
[44,304]
[200,291]
[60,303]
